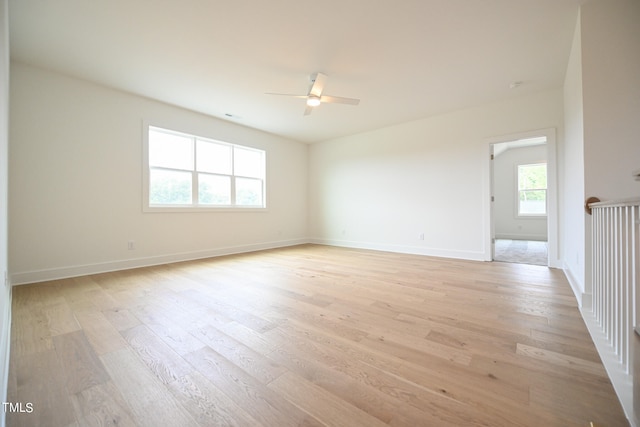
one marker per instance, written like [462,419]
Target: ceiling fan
[315,96]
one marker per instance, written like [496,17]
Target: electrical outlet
[131,245]
[421,236]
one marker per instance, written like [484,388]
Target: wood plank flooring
[308,336]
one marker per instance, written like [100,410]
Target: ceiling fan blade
[315,97]
[339,100]
[287,94]
[318,84]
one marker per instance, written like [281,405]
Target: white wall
[383,189]
[611,95]
[5,286]
[507,223]
[571,159]
[611,103]
[76,183]
[602,107]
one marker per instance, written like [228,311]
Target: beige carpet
[521,251]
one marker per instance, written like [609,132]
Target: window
[189,171]
[532,189]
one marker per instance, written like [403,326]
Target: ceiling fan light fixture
[313,101]
[315,96]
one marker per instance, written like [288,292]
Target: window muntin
[532,189]
[194,172]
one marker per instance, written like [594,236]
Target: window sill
[532,216]
[200,209]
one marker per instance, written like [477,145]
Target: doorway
[522,209]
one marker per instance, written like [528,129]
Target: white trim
[5,348]
[43,275]
[584,300]
[202,209]
[534,237]
[196,207]
[621,381]
[5,284]
[552,192]
[403,249]
[83,270]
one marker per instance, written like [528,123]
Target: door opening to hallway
[521,181]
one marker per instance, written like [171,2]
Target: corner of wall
[584,299]
[5,297]
[5,340]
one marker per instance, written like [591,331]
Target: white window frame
[517,196]
[195,206]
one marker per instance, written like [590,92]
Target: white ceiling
[405,59]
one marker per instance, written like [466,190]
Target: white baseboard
[413,250]
[555,263]
[5,341]
[584,299]
[622,382]
[35,276]
[536,237]
[22,278]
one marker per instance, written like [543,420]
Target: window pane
[214,158]
[248,162]
[170,150]
[180,162]
[169,187]
[214,190]
[532,176]
[533,202]
[249,192]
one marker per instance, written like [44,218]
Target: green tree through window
[190,171]
[532,189]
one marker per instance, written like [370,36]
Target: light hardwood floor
[308,336]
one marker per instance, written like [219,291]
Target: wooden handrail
[589,202]
[610,203]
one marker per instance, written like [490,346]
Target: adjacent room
[520,187]
[293,213]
